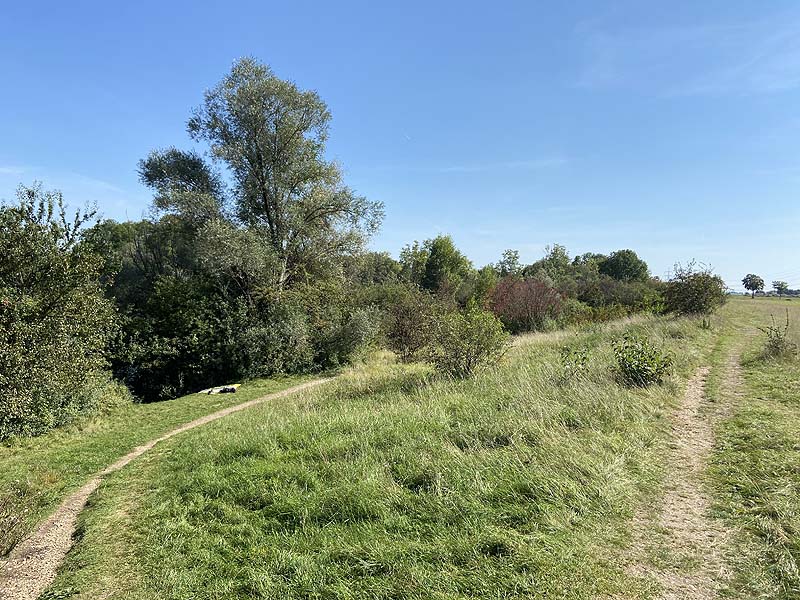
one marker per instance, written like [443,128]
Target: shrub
[410,321]
[574,364]
[694,290]
[640,363]
[54,318]
[525,304]
[778,344]
[466,342]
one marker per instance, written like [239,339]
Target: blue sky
[670,128]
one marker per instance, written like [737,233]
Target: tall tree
[753,283]
[271,135]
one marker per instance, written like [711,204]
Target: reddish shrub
[525,304]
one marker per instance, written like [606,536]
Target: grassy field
[756,467]
[392,483]
[395,483]
[36,474]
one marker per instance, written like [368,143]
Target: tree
[625,265]
[271,136]
[509,265]
[554,266]
[753,283]
[781,287]
[446,268]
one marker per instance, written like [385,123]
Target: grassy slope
[36,474]
[757,462]
[392,484]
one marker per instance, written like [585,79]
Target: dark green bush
[639,362]
[694,290]
[410,322]
[466,342]
[54,318]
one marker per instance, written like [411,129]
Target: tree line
[254,263]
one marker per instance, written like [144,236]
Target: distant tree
[271,136]
[377,268]
[446,267]
[413,258]
[625,265]
[509,265]
[486,279]
[555,265]
[781,287]
[753,283]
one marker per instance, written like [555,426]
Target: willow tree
[271,136]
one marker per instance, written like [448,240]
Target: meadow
[394,482]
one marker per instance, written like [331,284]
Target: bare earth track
[693,541]
[31,567]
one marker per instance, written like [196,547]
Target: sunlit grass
[393,483]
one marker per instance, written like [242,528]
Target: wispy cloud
[755,57]
[484,167]
[11,170]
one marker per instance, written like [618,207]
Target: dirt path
[689,550]
[31,567]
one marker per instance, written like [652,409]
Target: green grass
[391,483]
[756,467]
[37,473]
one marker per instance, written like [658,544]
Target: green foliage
[574,364]
[778,344]
[411,317]
[753,283]
[624,265]
[466,342]
[54,319]
[639,362]
[694,290]
[271,136]
[781,287]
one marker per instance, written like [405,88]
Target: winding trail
[691,552]
[31,567]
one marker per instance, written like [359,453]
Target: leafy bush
[640,363]
[574,364]
[525,304]
[694,290]
[54,319]
[410,323]
[466,342]
[778,344]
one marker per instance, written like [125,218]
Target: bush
[525,304]
[54,318]
[410,322]
[694,291]
[778,344]
[466,342]
[574,364]
[639,363]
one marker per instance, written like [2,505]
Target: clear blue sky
[672,128]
